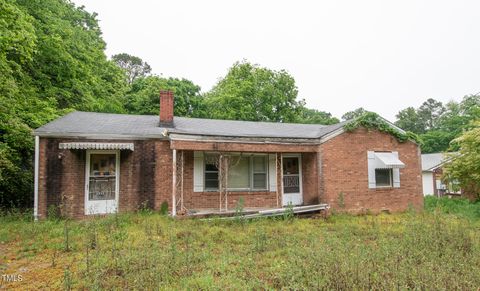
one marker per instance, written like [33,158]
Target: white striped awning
[95,146]
[388,161]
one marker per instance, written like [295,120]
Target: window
[383,177]
[245,172]
[239,173]
[259,172]
[211,173]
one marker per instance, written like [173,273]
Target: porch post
[35,186]
[174,183]
[281,178]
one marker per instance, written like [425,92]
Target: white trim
[174,182]
[331,135]
[87,176]
[96,146]
[300,176]
[35,185]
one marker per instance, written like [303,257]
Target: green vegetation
[371,120]
[436,249]
[459,207]
[438,124]
[464,168]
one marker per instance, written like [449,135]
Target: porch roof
[95,146]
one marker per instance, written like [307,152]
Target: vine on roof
[372,120]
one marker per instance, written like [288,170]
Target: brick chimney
[166,108]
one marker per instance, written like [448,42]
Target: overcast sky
[380,55]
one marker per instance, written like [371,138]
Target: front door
[292,180]
[101,189]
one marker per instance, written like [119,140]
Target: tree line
[53,61]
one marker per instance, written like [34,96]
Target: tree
[439,124]
[251,92]
[133,66]
[144,98]
[317,117]
[52,61]
[430,113]
[465,166]
[354,114]
[408,119]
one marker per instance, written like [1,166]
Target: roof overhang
[96,146]
[388,161]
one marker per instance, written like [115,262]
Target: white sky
[381,55]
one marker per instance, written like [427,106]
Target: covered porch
[227,179]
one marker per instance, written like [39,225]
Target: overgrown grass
[459,207]
[428,250]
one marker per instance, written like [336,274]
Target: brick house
[96,163]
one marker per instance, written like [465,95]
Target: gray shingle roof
[430,161]
[105,124]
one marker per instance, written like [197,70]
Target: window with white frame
[211,173]
[384,169]
[245,173]
[384,177]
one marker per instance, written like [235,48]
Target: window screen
[259,172]
[211,174]
[383,177]
[239,174]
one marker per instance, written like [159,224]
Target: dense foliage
[371,120]
[464,168]
[133,66]
[251,92]
[438,124]
[143,96]
[51,61]
[438,249]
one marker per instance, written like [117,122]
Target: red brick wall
[198,200]
[345,170]
[310,178]
[145,177]
[166,107]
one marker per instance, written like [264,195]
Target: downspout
[35,185]
[174,183]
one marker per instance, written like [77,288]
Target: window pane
[383,177]
[210,167]
[211,184]
[259,181]
[102,179]
[290,166]
[259,164]
[211,176]
[102,165]
[238,174]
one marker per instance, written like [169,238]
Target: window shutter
[396,174]
[198,169]
[371,169]
[272,172]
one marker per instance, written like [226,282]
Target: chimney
[166,108]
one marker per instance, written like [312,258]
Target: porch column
[35,185]
[174,183]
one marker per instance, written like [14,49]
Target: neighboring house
[96,163]
[432,171]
